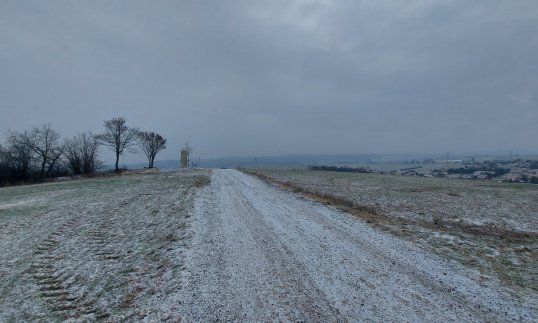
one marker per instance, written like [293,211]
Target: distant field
[108,248]
[486,225]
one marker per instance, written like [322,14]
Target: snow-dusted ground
[158,247]
[259,254]
[100,249]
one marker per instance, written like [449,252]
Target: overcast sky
[245,78]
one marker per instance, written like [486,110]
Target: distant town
[519,170]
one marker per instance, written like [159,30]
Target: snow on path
[258,253]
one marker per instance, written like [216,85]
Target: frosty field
[220,245]
[107,248]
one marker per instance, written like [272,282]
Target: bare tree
[89,153]
[118,137]
[73,154]
[17,155]
[6,173]
[81,153]
[151,143]
[44,142]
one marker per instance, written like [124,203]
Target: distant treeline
[340,169]
[497,171]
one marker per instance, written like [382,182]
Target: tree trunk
[50,168]
[42,170]
[150,163]
[117,160]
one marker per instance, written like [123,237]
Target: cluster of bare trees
[40,153]
[120,138]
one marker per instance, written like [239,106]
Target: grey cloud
[278,77]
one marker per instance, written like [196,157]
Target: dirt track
[259,253]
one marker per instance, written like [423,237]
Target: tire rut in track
[60,289]
[100,241]
[57,287]
[291,280]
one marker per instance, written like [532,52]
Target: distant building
[184,160]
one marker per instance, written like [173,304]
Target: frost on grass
[485,225]
[109,248]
